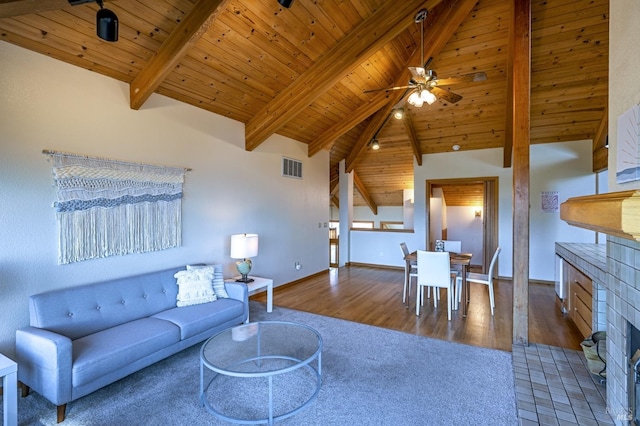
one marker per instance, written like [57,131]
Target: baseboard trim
[373,265]
[395,268]
[543,282]
[299,280]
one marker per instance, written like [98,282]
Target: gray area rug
[371,376]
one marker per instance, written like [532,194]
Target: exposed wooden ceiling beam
[325,140]
[413,138]
[381,27]
[364,193]
[334,187]
[600,150]
[175,47]
[441,24]
[375,124]
[26,7]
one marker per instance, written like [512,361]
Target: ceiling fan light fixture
[106,24]
[415,99]
[427,96]
[398,113]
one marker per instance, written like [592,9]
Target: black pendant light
[106,20]
[106,24]
[286,3]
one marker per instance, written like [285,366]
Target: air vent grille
[291,168]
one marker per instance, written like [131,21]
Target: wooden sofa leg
[24,389]
[61,410]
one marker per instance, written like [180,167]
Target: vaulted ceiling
[302,72]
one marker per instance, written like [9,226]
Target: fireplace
[616,214]
[623,324]
[634,374]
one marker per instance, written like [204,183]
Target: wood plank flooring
[374,296]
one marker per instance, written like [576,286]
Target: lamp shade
[244,246]
[415,100]
[428,96]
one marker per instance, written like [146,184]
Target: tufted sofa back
[82,310]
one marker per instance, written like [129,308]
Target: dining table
[462,259]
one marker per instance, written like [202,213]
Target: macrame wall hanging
[108,207]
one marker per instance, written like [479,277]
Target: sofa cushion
[79,311]
[197,318]
[108,350]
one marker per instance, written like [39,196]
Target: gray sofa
[83,338]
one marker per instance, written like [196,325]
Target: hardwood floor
[374,296]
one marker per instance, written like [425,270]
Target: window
[362,224]
[391,225]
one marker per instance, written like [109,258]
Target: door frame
[489,212]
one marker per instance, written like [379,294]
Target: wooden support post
[521,141]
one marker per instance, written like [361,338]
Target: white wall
[380,248]
[566,168]
[407,208]
[46,104]
[563,167]
[463,225]
[624,87]
[437,217]
[385,214]
[462,164]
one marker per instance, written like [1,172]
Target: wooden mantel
[615,213]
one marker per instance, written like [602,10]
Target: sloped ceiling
[302,72]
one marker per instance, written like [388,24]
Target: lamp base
[244,267]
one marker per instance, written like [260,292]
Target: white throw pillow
[194,287]
[217,281]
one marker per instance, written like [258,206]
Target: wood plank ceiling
[302,72]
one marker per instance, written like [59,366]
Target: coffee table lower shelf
[256,365]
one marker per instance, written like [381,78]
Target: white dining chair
[410,271]
[486,279]
[452,246]
[434,271]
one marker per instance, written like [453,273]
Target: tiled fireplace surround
[623,305]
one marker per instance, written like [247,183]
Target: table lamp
[244,246]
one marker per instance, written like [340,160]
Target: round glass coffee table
[260,372]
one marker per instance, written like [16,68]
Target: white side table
[260,283]
[9,373]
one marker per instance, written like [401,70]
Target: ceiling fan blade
[447,95]
[466,78]
[389,89]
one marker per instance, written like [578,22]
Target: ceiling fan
[424,85]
